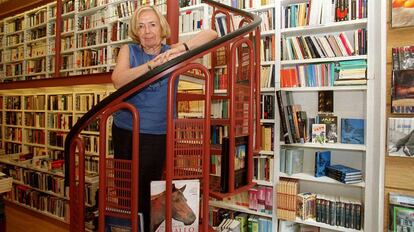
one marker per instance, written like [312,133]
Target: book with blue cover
[352,131]
[322,160]
[343,170]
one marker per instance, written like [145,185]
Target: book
[352,131]
[331,128]
[400,138]
[402,96]
[240,162]
[318,133]
[343,170]
[325,101]
[294,161]
[322,160]
[185,205]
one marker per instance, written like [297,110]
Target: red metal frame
[200,145]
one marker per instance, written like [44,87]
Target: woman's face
[149,29]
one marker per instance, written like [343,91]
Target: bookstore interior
[297,118]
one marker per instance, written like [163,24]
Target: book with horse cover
[185,205]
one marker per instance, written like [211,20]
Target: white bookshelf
[349,102]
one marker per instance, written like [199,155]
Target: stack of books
[351,72]
[344,174]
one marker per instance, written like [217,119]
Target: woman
[148,28]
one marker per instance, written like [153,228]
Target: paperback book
[185,205]
[318,133]
[401,137]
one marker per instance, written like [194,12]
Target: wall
[399,173]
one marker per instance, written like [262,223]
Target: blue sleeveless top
[151,102]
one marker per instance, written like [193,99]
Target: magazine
[185,205]
[401,137]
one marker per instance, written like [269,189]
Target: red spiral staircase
[188,139]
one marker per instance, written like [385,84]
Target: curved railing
[250,24]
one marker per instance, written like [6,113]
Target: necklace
[152,51]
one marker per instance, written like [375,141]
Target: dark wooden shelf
[88,79]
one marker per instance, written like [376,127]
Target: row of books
[35,136]
[308,75]
[40,201]
[322,12]
[34,120]
[297,127]
[13,134]
[267,106]
[42,181]
[331,210]
[263,168]
[335,211]
[267,76]
[190,21]
[247,223]
[321,46]
[261,199]
[13,119]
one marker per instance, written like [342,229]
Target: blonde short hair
[133,25]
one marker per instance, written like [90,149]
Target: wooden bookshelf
[398,170]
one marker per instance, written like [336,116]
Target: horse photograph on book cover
[185,205]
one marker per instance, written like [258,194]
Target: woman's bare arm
[124,74]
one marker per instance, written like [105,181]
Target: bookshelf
[350,101]
[263,161]
[36,123]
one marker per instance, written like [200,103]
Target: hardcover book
[401,137]
[322,160]
[325,101]
[352,131]
[331,123]
[185,205]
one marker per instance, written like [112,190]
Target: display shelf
[263,182]
[325,226]
[321,29]
[326,88]
[322,179]
[28,166]
[323,60]
[332,146]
